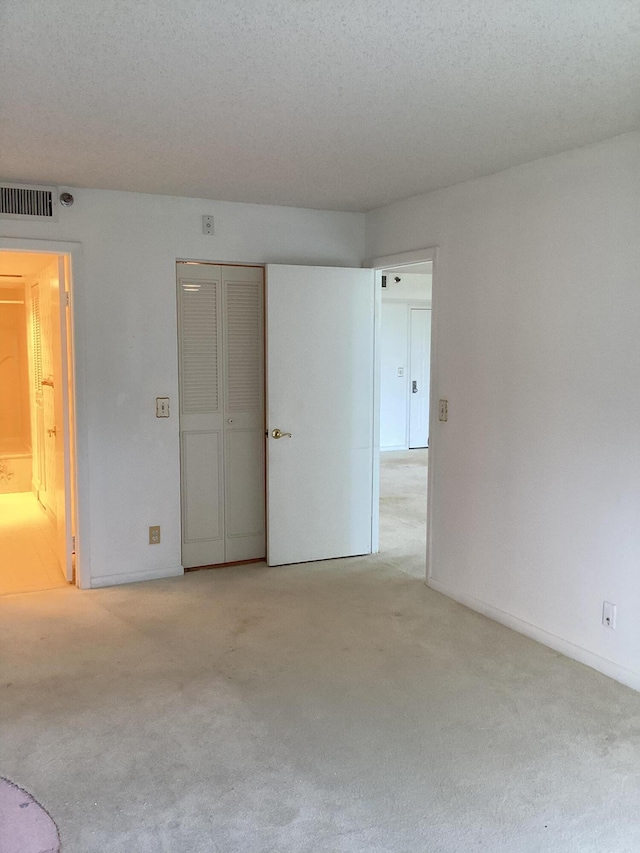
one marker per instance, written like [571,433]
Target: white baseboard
[134,577]
[613,670]
[395,447]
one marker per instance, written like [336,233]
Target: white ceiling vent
[18,201]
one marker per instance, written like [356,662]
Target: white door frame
[417,256]
[78,432]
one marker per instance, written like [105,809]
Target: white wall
[536,475]
[412,287]
[127,314]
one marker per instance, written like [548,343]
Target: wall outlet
[207,225]
[443,410]
[609,614]
[154,535]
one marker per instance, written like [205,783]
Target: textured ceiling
[342,104]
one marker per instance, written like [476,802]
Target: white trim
[391,449]
[209,263]
[375,491]
[565,647]
[134,577]
[417,256]
[79,437]
[434,392]
[414,303]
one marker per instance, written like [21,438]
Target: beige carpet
[321,708]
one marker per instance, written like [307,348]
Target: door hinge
[66,296]
[73,544]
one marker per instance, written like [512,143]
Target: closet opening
[222,413]
[37,504]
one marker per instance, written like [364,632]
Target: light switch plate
[162,407]
[609,614]
[443,410]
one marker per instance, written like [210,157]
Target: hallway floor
[336,707]
[28,560]
[403,509]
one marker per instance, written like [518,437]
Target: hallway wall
[535,493]
[125,307]
[395,345]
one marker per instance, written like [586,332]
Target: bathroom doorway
[36,420]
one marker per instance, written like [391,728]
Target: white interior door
[420,361]
[320,380]
[62,427]
[37,397]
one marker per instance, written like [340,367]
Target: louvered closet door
[201,414]
[243,333]
[220,331]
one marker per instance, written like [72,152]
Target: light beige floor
[335,707]
[28,560]
[403,509]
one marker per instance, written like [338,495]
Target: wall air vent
[18,201]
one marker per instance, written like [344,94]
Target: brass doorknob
[277,433]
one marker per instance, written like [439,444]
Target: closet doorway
[222,420]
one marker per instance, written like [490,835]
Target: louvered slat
[244,342]
[21,202]
[199,346]
[36,336]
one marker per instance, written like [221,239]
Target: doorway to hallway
[405,356]
[404,353]
[36,499]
